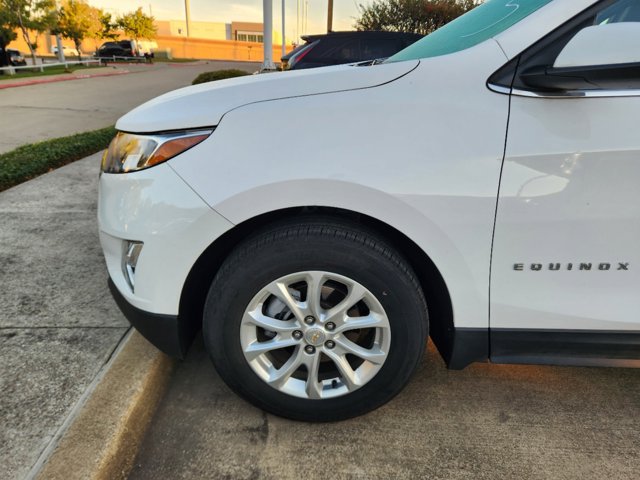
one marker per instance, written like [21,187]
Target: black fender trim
[463,346]
[166,332]
[590,348]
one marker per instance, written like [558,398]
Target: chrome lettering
[558,266]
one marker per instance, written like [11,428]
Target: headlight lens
[129,152]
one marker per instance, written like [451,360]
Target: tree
[29,16]
[107,26]
[7,35]
[138,25]
[78,20]
[417,16]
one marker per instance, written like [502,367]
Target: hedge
[218,75]
[29,161]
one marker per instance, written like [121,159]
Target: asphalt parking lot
[485,422]
[51,110]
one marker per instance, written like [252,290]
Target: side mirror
[602,56]
[609,44]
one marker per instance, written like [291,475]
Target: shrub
[31,160]
[218,75]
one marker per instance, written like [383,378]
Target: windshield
[483,22]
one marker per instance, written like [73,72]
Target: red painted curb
[60,78]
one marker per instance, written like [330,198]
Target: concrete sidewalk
[77,75]
[58,322]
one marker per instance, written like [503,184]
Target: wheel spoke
[346,372]
[257,318]
[280,376]
[338,313]
[313,387]
[281,291]
[356,323]
[256,348]
[315,281]
[374,355]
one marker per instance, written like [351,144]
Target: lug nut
[310,349]
[330,344]
[297,334]
[330,326]
[309,320]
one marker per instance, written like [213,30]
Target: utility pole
[284,30]
[187,15]
[267,14]
[330,17]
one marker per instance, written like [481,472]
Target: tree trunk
[27,39]
[4,57]
[78,43]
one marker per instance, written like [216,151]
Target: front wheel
[315,321]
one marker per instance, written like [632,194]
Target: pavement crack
[66,109]
[264,429]
[58,327]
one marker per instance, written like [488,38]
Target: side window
[619,12]
[379,48]
[336,50]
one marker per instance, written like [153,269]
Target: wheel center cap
[315,337]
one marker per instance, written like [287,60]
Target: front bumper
[158,209]
[166,332]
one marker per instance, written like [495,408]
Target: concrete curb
[102,441]
[61,78]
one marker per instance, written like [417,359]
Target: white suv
[479,187]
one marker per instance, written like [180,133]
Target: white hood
[204,105]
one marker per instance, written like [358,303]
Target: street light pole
[330,17]
[284,35]
[267,12]
[187,15]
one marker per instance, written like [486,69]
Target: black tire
[334,246]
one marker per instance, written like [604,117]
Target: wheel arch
[441,318]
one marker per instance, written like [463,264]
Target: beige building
[236,31]
[206,30]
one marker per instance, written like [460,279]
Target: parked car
[126,48]
[16,58]
[479,187]
[67,51]
[338,48]
[114,49]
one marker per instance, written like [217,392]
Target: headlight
[129,152]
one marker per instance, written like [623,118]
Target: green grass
[29,161]
[26,73]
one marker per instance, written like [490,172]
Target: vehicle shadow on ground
[487,421]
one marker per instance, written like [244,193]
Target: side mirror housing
[609,44]
[598,57]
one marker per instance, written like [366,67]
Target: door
[565,280]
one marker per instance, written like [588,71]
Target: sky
[345,12]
